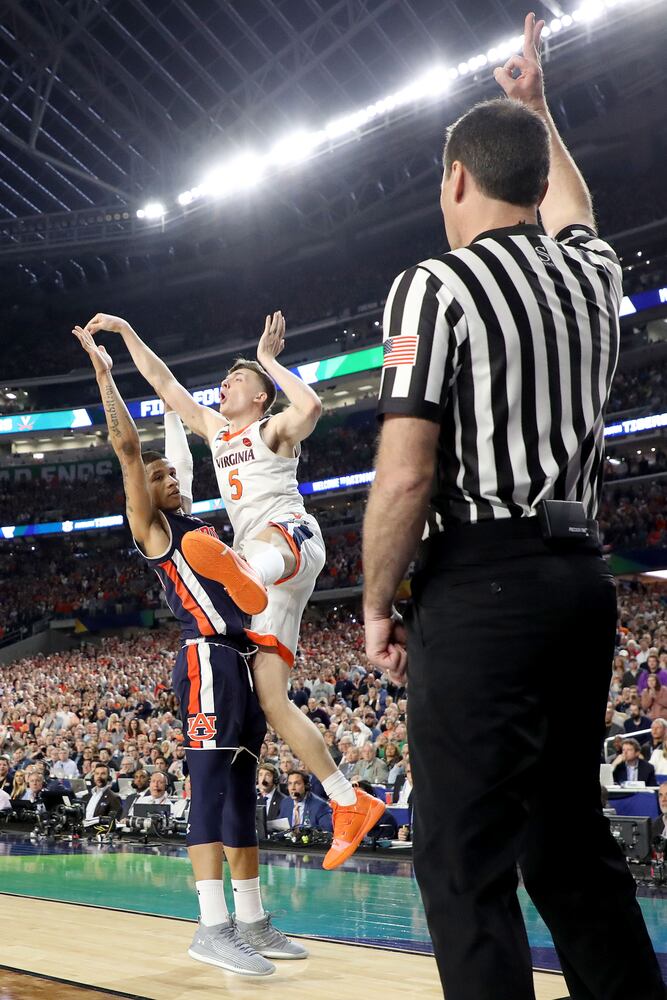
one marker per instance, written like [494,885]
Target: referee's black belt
[509,538]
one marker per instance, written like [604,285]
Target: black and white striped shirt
[511,345]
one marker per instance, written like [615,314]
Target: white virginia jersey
[256,485]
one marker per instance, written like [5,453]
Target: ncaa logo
[202,727]
[247,442]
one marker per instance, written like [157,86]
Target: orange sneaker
[350,826]
[211,558]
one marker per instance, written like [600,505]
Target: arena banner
[63,471]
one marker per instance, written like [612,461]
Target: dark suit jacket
[273,811]
[645,773]
[398,784]
[317,813]
[127,803]
[658,826]
[109,804]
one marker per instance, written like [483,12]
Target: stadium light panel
[151,211]
[251,168]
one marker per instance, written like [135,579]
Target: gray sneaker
[223,946]
[268,940]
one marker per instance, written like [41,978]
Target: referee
[499,358]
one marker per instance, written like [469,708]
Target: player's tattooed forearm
[109,400]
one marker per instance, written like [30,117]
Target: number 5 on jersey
[236,484]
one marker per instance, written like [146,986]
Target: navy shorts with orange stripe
[218,706]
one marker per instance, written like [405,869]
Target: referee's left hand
[386,646]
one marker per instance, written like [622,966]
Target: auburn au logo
[202,727]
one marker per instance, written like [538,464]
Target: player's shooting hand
[527,85]
[102,362]
[386,642]
[104,321]
[272,341]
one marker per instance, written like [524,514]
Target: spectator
[370,768]
[632,673]
[636,722]
[629,766]
[64,767]
[268,790]
[6,780]
[652,670]
[302,808]
[317,713]
[654,698]
[402,793]
[102,801]
[180,809]
[27,790]
[350,761]
[140,783]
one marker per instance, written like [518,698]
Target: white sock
[247,900]
[266,560]
[339,789]
[212,905]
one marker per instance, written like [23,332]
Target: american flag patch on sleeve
[400,350]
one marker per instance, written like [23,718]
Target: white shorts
[279,624]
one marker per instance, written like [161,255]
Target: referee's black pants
[505,752]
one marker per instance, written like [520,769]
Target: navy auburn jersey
[202,607]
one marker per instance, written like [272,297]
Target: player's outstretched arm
[200,419]
[298,420]
[568,200]
[144,520]
[177,451]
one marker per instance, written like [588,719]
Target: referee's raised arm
[498,362]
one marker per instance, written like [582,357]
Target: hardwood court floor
[19,986]
[146,957]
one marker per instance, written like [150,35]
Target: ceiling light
[152,210]
[10,395]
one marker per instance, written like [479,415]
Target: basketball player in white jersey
[255,457]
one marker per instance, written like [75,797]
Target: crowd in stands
[110,704]
[649,462]
[644,387]
[635,517]
[636,731]
[71,579]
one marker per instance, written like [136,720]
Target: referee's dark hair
[505,146]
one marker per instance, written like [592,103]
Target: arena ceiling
[107,103]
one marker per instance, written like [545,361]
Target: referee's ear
[459,180]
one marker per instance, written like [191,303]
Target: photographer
[102,801]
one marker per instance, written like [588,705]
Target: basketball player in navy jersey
[279,546]
[219,708]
